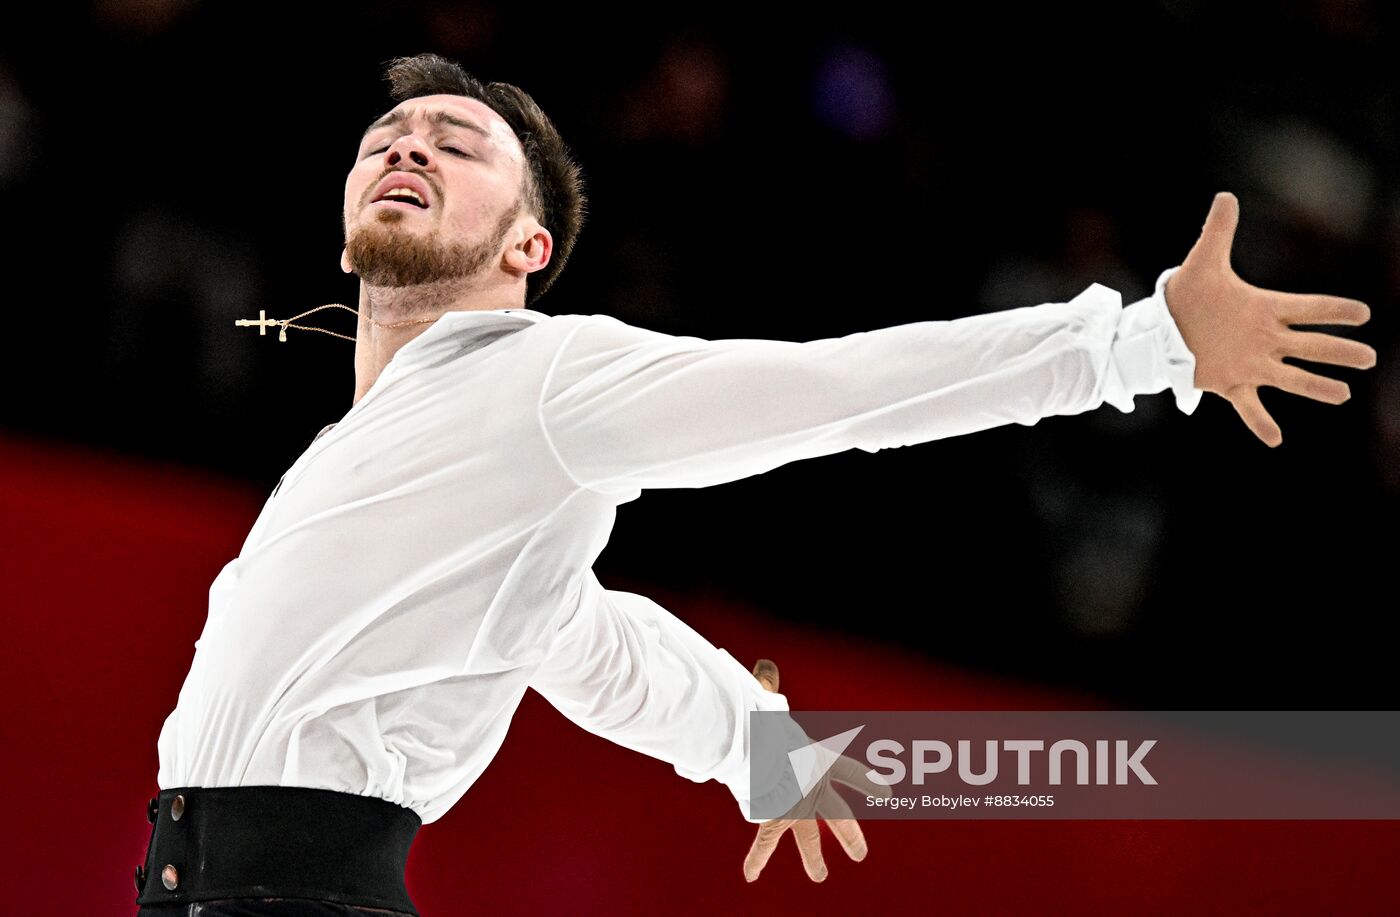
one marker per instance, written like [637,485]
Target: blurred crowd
[169,166]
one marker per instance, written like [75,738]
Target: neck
[376,345]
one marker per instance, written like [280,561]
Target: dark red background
[106,565]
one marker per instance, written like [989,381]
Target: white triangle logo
[811,762]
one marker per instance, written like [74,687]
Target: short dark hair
[553,190]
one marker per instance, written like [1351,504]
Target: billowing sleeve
[626,669]
[627,408]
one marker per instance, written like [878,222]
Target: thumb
[766,671]
[1218,233]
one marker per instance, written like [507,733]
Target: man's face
[468,182]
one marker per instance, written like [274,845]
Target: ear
[531,250]
[345,264]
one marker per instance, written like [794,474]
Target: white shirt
[428,557]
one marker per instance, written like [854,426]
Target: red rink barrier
[105,564]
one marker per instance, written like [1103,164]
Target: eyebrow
[436,117]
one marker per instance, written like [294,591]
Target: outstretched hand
[1240,333]
[822,802]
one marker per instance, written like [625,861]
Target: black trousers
[275,850]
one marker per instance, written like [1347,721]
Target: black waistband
[277,841]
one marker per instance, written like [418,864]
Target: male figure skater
[428,557]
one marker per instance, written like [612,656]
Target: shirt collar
[464,318]
[468,314]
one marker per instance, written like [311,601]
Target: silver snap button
[177,807]
[169,877]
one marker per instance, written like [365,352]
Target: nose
[411,146]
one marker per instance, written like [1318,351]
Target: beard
[384,256]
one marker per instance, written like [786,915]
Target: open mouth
[393,202]
[403,197]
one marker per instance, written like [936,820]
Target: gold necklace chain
[262,322]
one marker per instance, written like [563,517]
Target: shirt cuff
[773,785]
[1149,353]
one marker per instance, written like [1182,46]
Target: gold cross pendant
[262,322]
